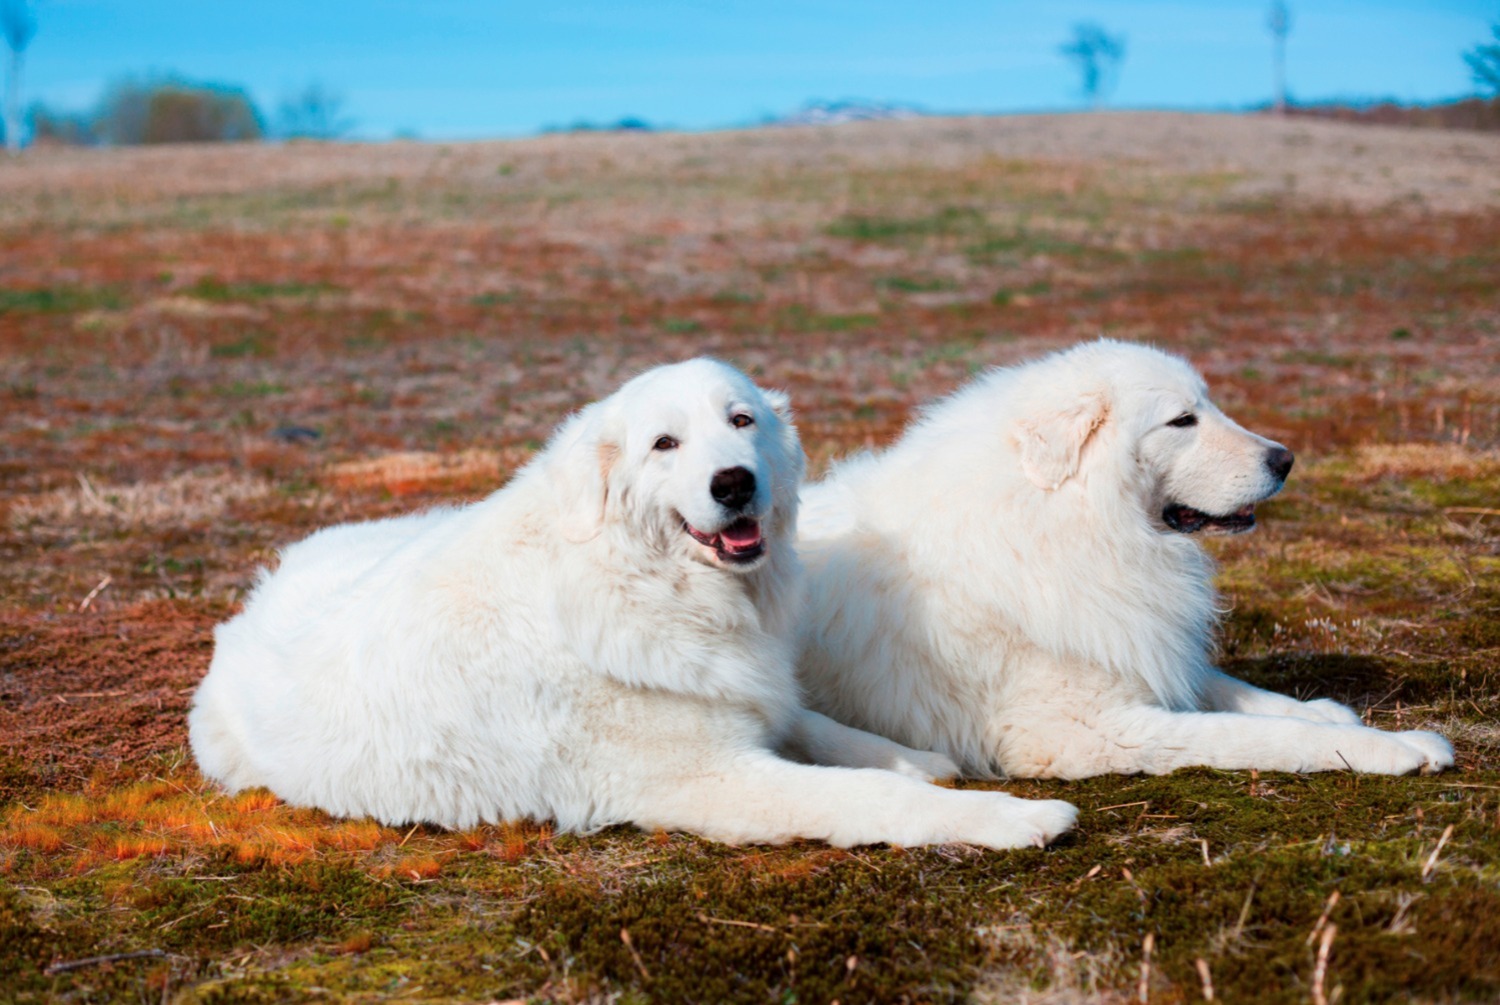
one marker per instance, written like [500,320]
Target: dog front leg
[755,797]
[1223,693]
[820,740]
[1057,743]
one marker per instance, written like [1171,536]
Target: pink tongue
[740,535]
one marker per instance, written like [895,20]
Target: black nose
[1279,460]
[732,487]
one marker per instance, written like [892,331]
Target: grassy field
[205,354]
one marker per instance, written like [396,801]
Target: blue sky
[464,68]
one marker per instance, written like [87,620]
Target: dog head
[693,458]
[1146,414]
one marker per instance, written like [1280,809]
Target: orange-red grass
[179,816]
[515,841]
[419,867]
[35,836]
[255,800]
[138,847]
[77,833]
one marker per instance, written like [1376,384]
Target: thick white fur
[564,650]
[1000,584]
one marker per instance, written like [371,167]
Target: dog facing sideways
[1015,583]
[607,639]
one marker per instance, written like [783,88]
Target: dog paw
[925,766]
[1436,753]
[1328,710]
[1051,818]
[1407,753]
[1025,823]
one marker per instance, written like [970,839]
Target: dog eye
[742,420]
[1184,420]
[665,443]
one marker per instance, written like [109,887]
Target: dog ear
[780,403]
[580,474]
[1052,447]
[791,442]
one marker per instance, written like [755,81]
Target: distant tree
[625,124]
[200,115]
[69,128]
[1279,20]
[18,24]
[1484,61]
[314,113]
[1098,56]
[176,111]
[121,118]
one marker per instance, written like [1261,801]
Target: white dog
[1014,583]
[607,639]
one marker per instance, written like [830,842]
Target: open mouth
[740,543]
[1186,520]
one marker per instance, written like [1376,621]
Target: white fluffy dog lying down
[1014,583]
[607,639]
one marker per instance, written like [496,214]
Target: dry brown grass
[433,311]
[1364,166]
[187,500]
[409,471]
[1423,460]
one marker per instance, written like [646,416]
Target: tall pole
[1280,22]
[18,26]
[13,103]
